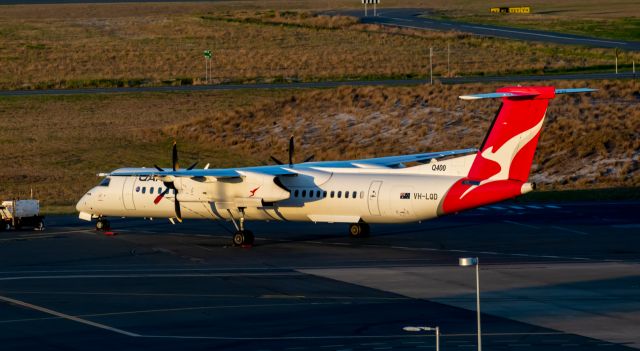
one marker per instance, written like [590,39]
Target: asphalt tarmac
[319,85]
[553,276]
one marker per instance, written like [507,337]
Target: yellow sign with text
[522,9]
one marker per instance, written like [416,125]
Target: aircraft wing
[219,173]
[277,170]
[391,161]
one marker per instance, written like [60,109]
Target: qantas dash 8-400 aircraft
[394,189]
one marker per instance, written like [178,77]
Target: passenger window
[355,194]
[304,193]
[159,190]
[324,194]
[144,189]
[151,190]
[346,194]
[332,193]
[137,189]
[339,194]
[318,193]
[295,193]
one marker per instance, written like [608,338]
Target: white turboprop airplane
[394,189]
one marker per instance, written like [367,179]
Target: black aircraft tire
[358,230]
[238,238]
[242,238]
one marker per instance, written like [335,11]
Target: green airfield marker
[207,65]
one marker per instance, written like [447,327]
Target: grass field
[610,20]
[57,144]
[141,44]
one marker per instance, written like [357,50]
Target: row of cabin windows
[322,194]
[151,189]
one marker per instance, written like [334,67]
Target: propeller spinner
[170,184]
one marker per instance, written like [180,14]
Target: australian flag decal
[405,196]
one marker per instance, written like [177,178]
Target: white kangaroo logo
[506,153]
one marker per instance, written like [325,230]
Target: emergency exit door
[127,193]
[373,197]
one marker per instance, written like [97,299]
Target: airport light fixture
[468,262]
[422,328]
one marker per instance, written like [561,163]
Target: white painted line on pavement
[521,224]
[187,275]
[32,237]
[569,230]
[66,316]
[401,19]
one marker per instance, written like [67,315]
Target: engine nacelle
[250,189]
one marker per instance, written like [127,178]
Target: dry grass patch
[56,145]
[589,140]
[87,45]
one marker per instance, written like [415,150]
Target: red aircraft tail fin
[502,165]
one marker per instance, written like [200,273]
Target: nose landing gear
[241,237]
[102,224]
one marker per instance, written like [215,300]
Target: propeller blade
[291,152]
[192,166]
[177,207]
[160,196]
[276,160]
[158,168]
[309,158]
[175,157]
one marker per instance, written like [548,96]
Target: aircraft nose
[81,206]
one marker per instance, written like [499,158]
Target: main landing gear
[242,237]
[358,230]
[102,224]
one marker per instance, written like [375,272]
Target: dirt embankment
[589,140]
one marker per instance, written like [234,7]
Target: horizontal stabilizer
[575,90]
[495,95]
[527,92]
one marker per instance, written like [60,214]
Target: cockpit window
[105,182]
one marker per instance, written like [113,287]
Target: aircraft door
[373,196]
[127,193]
